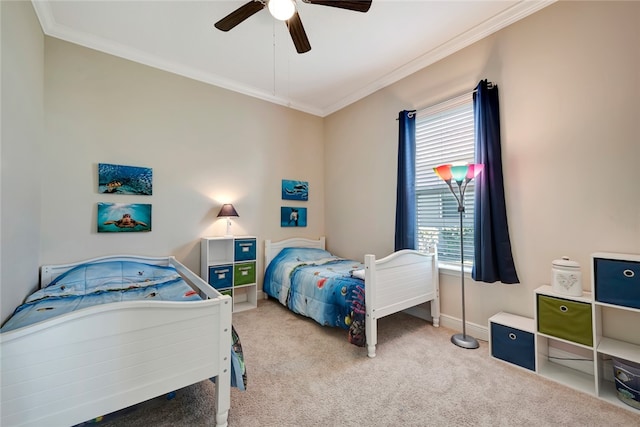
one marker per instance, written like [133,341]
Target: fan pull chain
[273,26]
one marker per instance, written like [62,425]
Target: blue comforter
[314,283]
[114,281]
[100,283]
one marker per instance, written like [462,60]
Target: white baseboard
[423,312]
[420,311]
[476,331]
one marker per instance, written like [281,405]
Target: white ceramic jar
[566,277]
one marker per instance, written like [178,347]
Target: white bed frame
[94,361]
[394,283]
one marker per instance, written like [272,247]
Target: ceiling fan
[285,10]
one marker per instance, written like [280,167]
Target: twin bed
[310,281]
[95,359]
[67,357]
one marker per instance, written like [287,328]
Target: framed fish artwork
[295,190]
[121,179]
[124,217]
[293,216]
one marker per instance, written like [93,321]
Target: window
[444,134]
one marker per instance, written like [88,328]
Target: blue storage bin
[513,345]
[627,373]
[245,249]
[221,276]
[617,282]
[628,395]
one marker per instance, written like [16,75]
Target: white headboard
[271,249]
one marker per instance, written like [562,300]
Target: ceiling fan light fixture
[285,10]
[282,9]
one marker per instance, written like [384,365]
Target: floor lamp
[461,174]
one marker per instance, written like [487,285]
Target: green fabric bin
[566,319]
[244,274]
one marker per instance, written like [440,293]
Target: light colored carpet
[302,374]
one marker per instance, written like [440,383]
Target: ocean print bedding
[101,283]
[91,284]
[316,284]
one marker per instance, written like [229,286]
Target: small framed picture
[120,217]
[120,179]
[295,190]
[293,216]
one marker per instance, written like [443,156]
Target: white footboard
[94,361]
[399,281]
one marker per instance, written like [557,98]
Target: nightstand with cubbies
[229,265]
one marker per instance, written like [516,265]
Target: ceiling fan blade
[239,15]
[356,5]
[298,35]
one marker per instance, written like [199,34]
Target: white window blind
[444,134]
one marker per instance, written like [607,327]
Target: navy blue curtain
[406,192]
[493,258]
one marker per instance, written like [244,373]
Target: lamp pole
[461,174]
[463,340]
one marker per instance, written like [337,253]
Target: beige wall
[569,90]
[20,152]
[570,110]
[206,146]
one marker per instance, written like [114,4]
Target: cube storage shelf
[600,324]
[592,328]
[229,265]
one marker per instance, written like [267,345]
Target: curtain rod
[490,85]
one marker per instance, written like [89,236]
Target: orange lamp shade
[444,172]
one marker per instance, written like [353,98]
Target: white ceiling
[353,54]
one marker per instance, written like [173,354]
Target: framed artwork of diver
[291,216]
[121,217]
[295,190]
[121,179]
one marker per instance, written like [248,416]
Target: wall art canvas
[293,217]
[121,179]
[295,190]
[121,217]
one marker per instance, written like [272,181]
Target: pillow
[304,254]
[358,274]
[102,276]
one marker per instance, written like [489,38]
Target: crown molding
[53,29]
[486,28]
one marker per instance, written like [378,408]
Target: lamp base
[465,341]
